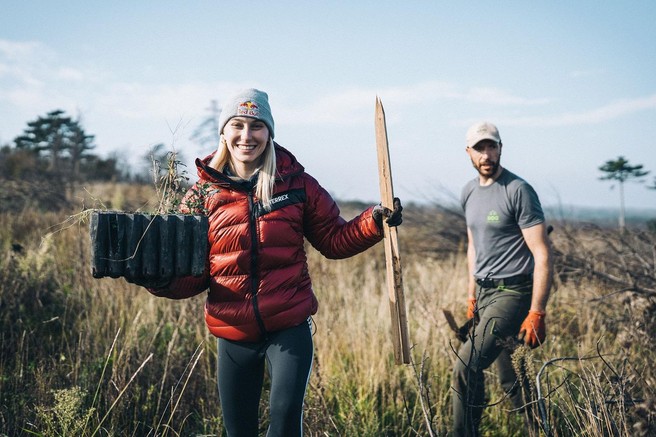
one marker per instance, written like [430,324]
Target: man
[510,266]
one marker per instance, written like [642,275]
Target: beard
[487,172]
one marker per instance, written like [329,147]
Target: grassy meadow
[101,357]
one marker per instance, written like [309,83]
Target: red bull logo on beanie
[249,109]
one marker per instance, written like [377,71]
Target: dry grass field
[101,357]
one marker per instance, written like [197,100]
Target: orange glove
[533,330]
[471,307]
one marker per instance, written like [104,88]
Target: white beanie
[247,103]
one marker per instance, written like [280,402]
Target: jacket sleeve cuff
[182,288]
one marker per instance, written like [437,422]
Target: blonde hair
[266,174]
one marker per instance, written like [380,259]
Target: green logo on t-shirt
[492,217]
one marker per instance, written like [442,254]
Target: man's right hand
[533,331]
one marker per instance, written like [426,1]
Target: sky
[570,85]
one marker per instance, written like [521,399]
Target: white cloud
[164,101]
[585,74]
[439,91]
[28,85]
[24,61]
[17,50]
[71,74]
[32,87]
[32,81]
[496,96]
[21,65]
[610,111]
[355,105]
[344,107]
[24,97]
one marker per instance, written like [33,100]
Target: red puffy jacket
[257,273]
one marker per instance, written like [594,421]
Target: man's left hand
[533,330]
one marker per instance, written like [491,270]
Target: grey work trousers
[501,312]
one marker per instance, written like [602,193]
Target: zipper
[255,279]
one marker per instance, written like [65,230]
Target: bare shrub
[40,194]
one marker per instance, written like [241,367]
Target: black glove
[394,218]
[154,283]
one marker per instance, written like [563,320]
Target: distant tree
[124,171]
[207,133]
[151,164]
[59,139]
[19,164]
[95,168]
[80,146]
[157,162]
[619,170]
[653,185]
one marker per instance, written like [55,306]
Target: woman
[261,205]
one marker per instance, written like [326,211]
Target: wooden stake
[392,257]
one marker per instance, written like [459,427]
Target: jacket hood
[286,165]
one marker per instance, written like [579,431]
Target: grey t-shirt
[495,215]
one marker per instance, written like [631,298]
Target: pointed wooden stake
[392,257]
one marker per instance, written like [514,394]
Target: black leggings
[241,365]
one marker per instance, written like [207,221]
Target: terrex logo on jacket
[280,201]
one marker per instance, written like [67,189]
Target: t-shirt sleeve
[529,210]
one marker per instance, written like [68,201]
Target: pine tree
[207,132]
[58,139]
[620,170]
